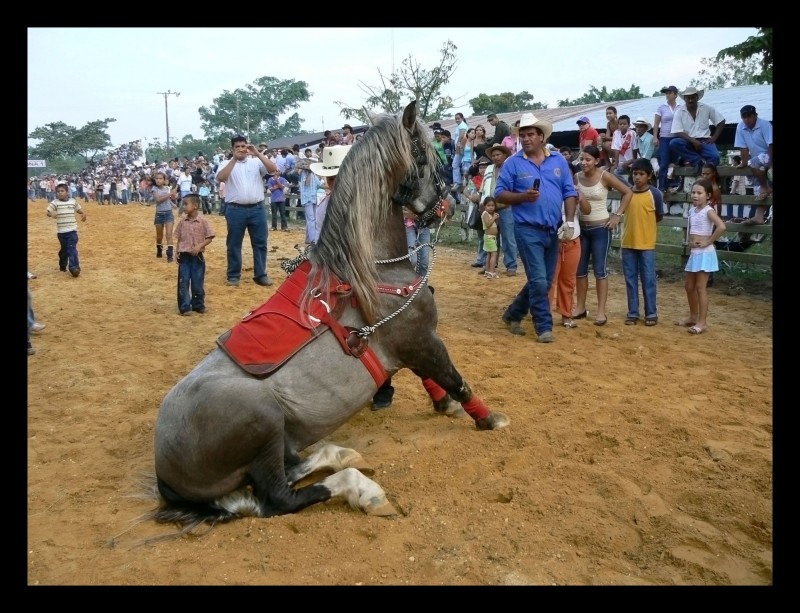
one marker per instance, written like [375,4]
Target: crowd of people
[534,205]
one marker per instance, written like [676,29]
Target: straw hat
[529,119]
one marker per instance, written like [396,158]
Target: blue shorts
[163,217]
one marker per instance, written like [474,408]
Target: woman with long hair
[479,145]
[593,184]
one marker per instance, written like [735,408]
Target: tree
[721,73]
[597,96]
[758,47]
[255,110]
[504,103]
[58,140]
[409,82]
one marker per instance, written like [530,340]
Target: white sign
[36,164]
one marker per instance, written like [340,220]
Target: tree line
[256,108]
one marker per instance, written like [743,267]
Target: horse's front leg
[444,384]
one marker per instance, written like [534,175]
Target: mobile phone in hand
[536,184]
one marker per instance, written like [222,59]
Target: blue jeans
[457,167]
[679,148]
[663,161]
[279,207]
[254,220]
[595,244]
[68,254]
[421,258]
[310,212]
[508,242]
[640,264]
[31,316]
[191,276]
[538,249]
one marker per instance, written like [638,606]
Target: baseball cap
[748,109]
[670,88]
[583,119]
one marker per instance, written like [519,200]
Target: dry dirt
[635,456]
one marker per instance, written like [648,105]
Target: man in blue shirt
[535,182]
[754,140]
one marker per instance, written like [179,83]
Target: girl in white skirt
[705,227]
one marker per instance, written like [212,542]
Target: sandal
[696,330]
[631,321]
[601,322]
[568,323]
[652,321]
[581,315]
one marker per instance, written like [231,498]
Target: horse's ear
[410,115]
[371,117]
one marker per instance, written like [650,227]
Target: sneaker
[511,273]
[186,313]
[201,311]
[62,269]
[31,275]
[31,351]
[233,282]
[382,403]
[74,271]
[37,327]
[546,337]
[265,281]
[476,265]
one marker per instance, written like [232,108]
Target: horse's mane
[359,208]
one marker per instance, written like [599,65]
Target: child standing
[63,209]
[638,242]
[277,187]
[705,227]
[194,234]
[489,217]
[165,216]
[205,194]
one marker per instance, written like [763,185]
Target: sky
[124,72]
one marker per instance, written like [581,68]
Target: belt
[244,206]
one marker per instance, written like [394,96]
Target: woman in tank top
[593,184]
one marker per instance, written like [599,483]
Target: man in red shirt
[588,135]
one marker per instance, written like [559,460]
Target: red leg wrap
[434,391]
[475,408]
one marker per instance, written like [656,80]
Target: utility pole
[166,111]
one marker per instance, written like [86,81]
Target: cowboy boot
[170,252]
[159,250]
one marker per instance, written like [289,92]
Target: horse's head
[423,189]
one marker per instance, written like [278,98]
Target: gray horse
[228,443]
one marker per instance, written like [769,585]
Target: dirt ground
[634,456]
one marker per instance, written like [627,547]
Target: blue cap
[583,119]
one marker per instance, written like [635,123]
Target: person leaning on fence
[754,140]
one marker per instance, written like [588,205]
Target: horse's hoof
[380,508]
[493,421]
[448,406]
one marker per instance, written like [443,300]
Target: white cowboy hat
[642,122]
[331,160]
[691,91]
[529,119]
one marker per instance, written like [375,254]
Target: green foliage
[59,141]
[597,96]
[721,73]
[757,47]
[254,111]
[506,102]
[409,82]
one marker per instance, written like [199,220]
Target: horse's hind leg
[328,457]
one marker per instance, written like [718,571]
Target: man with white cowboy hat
[692,138]
[535,182]
[645,140]
[332,157]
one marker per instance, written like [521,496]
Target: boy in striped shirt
[63,209]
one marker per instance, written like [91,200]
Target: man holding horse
[243,176]
[535,182]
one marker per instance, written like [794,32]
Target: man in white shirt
[692,140]
[243,176]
